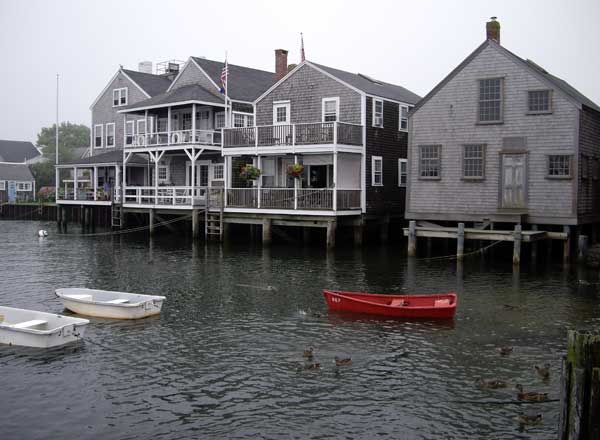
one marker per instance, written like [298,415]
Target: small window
[403,124]
[242,120]
[539,101]
[473,161]
[559,166]
[430,161]
[219,120]
[120,97]
[268,172]
[110,135]
[402,172]
[141,126]
[490,100]
[129,132]
[218,171]
[98,133]
[163,173]
[281,113]
[186,121]
[377,113]
[2,185]
[330,109]
[585,166]
[23,186]
[376,171]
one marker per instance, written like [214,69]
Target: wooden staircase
[116,215]
[213,224]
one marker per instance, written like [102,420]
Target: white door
[513,181]
[282,131]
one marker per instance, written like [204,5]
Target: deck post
[64,218]
[151,221]
[518,238]
[86,211]
[429,243]
[195,223]
[567,244]
[306,235]
[358,234]
[412,238]
[534,246]
[460,242]
[266,231]
[385,227]
[582,245]
[331,227]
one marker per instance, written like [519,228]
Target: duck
[344,361]
[543,371]
[505,350]
[492,384]
[530,396]
[525,419]
[312,366]
[309,352]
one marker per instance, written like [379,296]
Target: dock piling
[266,231]
[195,223]
[518,238]
[151,221]
[460,242]
[412,238]
[331,227]
[582,246]
[567,244]
[534,246]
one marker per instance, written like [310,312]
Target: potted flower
[249,172]
[295,170]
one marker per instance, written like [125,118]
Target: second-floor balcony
[290,136]
[176,138]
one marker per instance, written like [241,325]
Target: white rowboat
[30,328]
[107,304]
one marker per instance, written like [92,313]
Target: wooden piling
[331,227]
[151,221]
[460,242]
[567,244]
[534,246]
[195,223]
[358,234]
[582,246]
[518,238]
[384,229]
[580,389]
[412,238]
[306,235]
[266,231]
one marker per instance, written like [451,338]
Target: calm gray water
[224,360]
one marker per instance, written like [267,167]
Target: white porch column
[258,165]
[169,125]
[193,171]
[225,179]
[118,182]
[146,131]
[95,177]
[295,184]
[75,183]
[335,172]
[56,182]
[194,123]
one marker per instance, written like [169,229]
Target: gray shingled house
[502,140]
[18,151]
[16,183]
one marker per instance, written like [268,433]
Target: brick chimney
[280,63]
[492,30]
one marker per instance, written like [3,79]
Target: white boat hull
[48,330]
[97,303]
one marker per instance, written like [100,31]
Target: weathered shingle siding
[192,75]
[305,90]
[103,111]
[449,119]
[391,144]
[589,145]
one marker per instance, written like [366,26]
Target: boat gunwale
[383,295]
[150,298]
[75,322]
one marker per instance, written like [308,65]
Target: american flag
[224,75]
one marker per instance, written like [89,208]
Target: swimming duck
[309,352]
[525,419]
[492,384]
[530,396]
[543,372]
[345,361]
[312,366]
[505,350]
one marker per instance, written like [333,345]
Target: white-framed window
[403,123]
[23,186]
[163,174]
[490,100]
[218,171]
[474,161]
[243,119]
[141,126]
[402,172]
[559,166]
[430,161]
[119,97]
[281,112]
[377,113]
[539,101]
[110,135]
[268,172]
[98,135]
[376,171]
[2,185]
[330,109]
[129,132]
[219,120]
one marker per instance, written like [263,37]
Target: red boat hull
[439,306]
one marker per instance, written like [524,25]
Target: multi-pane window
[403,123]
[163,173]
[430,161]
[2,185]
[559,165]
[377,113]
[490,100]
[186,121]
[330,109]
[120,97]
[141,126]
[377,171]
[219,120]
[23,186]
[243,120]
[98,136]
[474,161]
[281,113]
[218,172]
[110,135]
[539,101]
[402,172]
[129,132]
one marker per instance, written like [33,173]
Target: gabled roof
[192,92]
[15,171]
[17,151]
[541,73]
[152,84]
[244,83]
[372,86]
[111,157]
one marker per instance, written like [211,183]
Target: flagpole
[56,128]
[227,117]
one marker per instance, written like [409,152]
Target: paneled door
[513,180]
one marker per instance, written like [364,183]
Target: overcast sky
[413,44]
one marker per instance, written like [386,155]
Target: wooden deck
[484,234]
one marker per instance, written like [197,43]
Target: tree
[43,172]
[70,136]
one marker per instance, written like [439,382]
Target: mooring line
[503,402]
[127,231]
[452,257]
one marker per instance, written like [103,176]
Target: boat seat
[32,323]
[86,297]
[398,302]
[441,303]
[117,301]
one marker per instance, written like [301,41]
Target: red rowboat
[440,306]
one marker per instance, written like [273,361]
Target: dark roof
[557,82]
[152,84]
[115,156]
[17,151]
[244,83]
[192,92]
[15,171]
[372,86]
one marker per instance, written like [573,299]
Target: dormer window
[120,97]
[377,113]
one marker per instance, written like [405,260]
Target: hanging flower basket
[249,172]
[295,170]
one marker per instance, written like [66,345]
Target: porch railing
[318,133]
[165,195]
[176,137]
[83,193]
[290,198]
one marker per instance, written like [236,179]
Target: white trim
[292,212]
[101,136]
[2,185]
[374,103]
[337,108]
[119,91]
[27,186]
[136,84]
[185,66]
[274,86]
[171,104]
[111,81]
[138,126]
[288,112]
[400,174]
[363,160]
[324,72]
[114,135]
[132,122]
[390,100]
[400,107]
[375,159]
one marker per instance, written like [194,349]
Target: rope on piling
[453,257]
[130,230]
